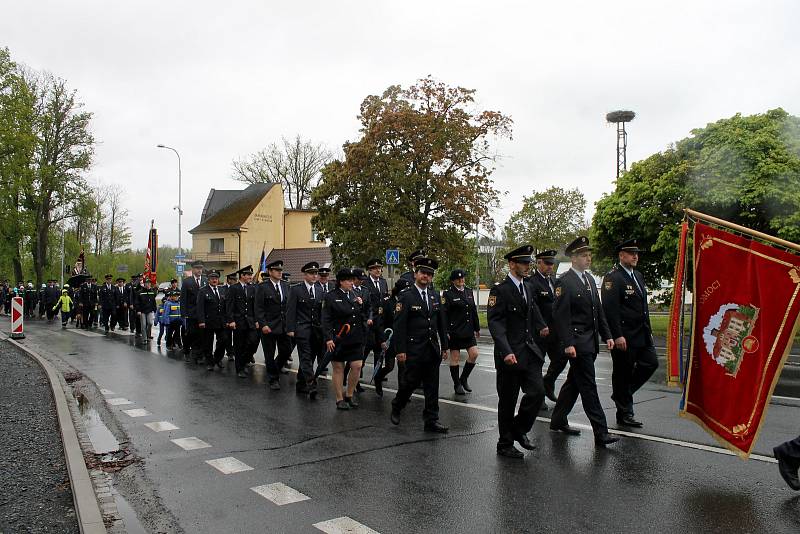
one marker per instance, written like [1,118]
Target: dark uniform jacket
[51,295]
[240,306]
[377,296]
[119,296]
[625,307]
[303,314]
[106,296]
[94,294]
[338,309]
[270,309]
[132,294]
[460,312]
[578,314]
[514,323]
[366,303]
[419,329]
[85,296]
[387,321]
[189,291]
[210,309]
[544,299]
[146,300]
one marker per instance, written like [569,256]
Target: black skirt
[460,343]
[349,353]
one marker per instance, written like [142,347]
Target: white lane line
[190,444]
[106,392]
[785,398]
[343,525]
[136,412]
[280,494]
[119,401]
[229,465]
[86,333]
[161,426]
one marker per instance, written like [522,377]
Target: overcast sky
[220,80]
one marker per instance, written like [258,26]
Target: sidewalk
[36,494]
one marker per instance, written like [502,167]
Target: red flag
[151,256]
[746,307]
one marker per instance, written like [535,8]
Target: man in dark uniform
[409,274]
[271,297]
[324,275]
[95,303]
[120,315]
[579,319]
[463,328]
[544,283]
[131,297]
[788,456]
[189,290]
[625,305]
[51,295]
[107,301]
[420,338]
[85,303]
[514,322]
[377,292]
[240,316]
[230,280]
[211,321]
[303,316]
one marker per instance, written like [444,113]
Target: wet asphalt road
[400,479]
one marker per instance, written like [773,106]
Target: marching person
[788,456]
[377,291]
[189,290]
[171,318]
[634,354]
[51,297]
[230,279]
[132,297]
[64,304]
[463,328]
[579,319]
[146,309]
[271,297]
[120,315]
[240,316]
[514,321]
[303,324]
[388,322]
[84,306]
[409,274]
[106,298]
[211,321]
[421,342]
[544,284]
[324,280]
[341,307]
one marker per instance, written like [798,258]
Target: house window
[217,246]
[315,235]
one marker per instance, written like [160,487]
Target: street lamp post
[180,211]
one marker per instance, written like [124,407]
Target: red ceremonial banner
[746,307]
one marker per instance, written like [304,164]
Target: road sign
[17,318]
[180,256]
[122,268]
[179,268]
[392,256]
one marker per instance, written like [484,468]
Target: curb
[90,520]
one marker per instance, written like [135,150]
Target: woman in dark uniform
[463,328]
[341,307]
[388,320]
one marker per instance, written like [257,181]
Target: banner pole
[743,229]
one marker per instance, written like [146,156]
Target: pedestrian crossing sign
[392,256]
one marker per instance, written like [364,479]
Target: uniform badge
[380,311]
[492,301]
[444,299]
[398,307]
[558,291]
[608,285]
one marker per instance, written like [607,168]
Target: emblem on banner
[727,336]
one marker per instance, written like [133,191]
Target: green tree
[548,219]
[418,177]
[743,169]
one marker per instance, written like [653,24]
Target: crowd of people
[340,323]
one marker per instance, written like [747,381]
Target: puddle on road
[102,439]
[129,517]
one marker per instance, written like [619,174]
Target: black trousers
[193,339]
[580,381]
[558,362]
[510,381]
[133,321]
[173,334]
[106,317]
[791,449]
[632,368]
[420,369]
[213,355]
[309,349]
[245,344]
[281,342]
[120,317]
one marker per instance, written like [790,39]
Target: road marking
[136,412]
[190,444]
[161,426]
[86,333]
[343,525]
[106,392]
[785,398]
[280,494]
[229,465]
[119,401]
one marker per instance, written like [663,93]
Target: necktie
[588,286]
[522,292]
[311,292]
[636,282]
[216,294]
[278,291]
[425,299]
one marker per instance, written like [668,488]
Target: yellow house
[236,226]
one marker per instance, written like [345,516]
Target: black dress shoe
[787,468]
[342,405]
[312,393]
[524,442]
[379,388]
[465,384]
[459,389]
[550,392]
[437,427]
[628,420]
[601,440]
[509,451]
[395,417]
[352,402]
[566,429]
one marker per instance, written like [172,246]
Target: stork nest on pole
[620,116]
